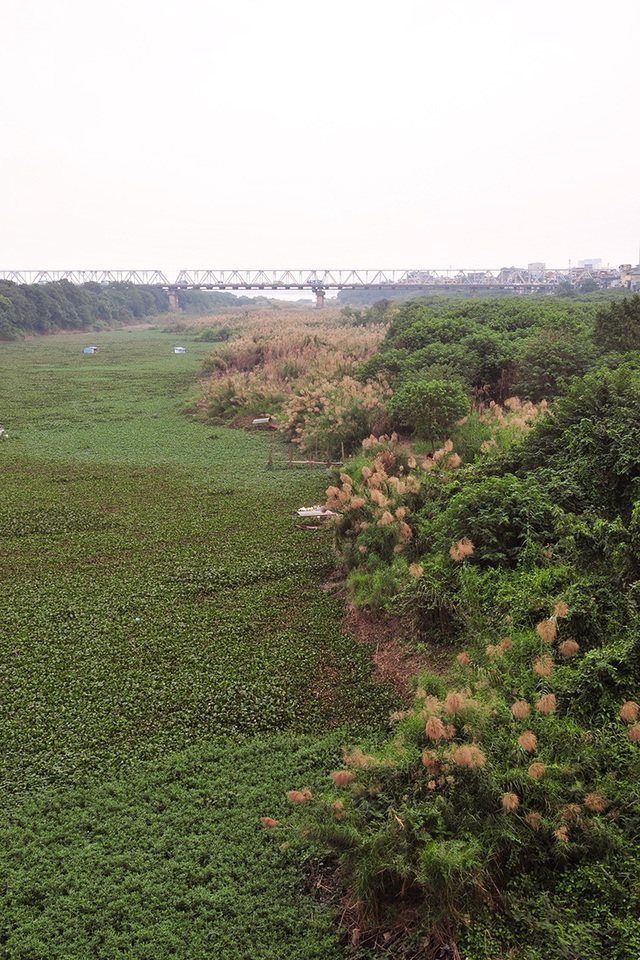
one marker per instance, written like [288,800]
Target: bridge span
[319,282]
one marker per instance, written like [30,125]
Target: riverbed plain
[172,661]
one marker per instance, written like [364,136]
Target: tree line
[27,309]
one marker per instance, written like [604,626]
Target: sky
[273,134]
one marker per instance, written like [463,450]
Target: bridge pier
[320,293]
[172,293]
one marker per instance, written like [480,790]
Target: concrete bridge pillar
[172,293]
[320,295]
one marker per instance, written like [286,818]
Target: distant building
[595,264]
[89,349]
[179,350]
[536,270]
[630,277]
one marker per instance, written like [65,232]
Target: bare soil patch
[395,658]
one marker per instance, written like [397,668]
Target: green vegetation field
[169,666]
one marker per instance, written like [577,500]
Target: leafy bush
[430,407]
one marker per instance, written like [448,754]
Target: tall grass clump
[511,784]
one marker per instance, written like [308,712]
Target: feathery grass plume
[536,770]
[299,796]
[520,709]
[528,741]
[510,801]
[463,548]
[378,497]
[435,729]
[629,711]
[269,822]
[416,570]
[570,812]
[405,532]
[431,761]
[401,512]
[506,643]
[494,650]
[561,609]
[398,715]
[357,503]
[634,733]
[432,785]
[547,703]
[562,834]
[362,548]
[463,658]
[534,820]
[356,758]
[453,703]
[453,461]
[547,630]
[469,756]
[342,778]
[543,666]
[385,519]
[569,648]
[596,802]
[431,703]
[338,809]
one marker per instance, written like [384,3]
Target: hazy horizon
[353,135]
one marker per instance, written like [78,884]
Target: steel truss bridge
[320,281]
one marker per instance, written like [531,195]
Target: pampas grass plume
[342,778]
[547,703]
[629,711]
[269,822]
[510,801]
[435,729]
[596,802]
[543,666]
[547,630]
[634,733]
[453,702]
[569,648]
[469,756]
[528,741]
[299,796]
[520,709]
[536,770]
[463,548]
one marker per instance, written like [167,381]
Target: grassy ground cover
[169,666]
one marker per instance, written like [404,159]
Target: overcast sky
[176,134]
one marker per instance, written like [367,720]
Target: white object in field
[316,511]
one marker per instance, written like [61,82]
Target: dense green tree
[430,407]
[550,357]
[618,327]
